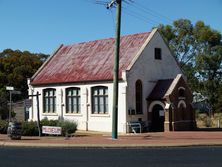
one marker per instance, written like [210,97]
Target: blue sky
[42,25]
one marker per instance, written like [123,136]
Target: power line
[151,11]
[139,16]
[112,4]
[113,20]
[141,13]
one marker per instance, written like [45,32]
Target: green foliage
[180,39]
[67,127]
[46,122]
[3,126]
[30,129]
[198,48]
[15,67]
[3,105]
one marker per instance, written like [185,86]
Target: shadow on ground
[209,129]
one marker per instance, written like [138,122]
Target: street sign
[9,88]
[16,92]
[28,103]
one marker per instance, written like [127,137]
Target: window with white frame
[100,100]
[73,100]
[49,100]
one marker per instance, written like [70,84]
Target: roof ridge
[173,84]
[108,38]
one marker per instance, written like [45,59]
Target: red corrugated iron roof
[89,61]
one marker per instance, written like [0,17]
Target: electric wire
[137,15]
[141,13]
[150,11]
[113,21]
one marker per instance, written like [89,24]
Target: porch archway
[158,118]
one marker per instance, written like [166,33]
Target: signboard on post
[28,103]
[16,92]
[52,130]
[9,88]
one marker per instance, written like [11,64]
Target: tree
[3,105]
[209,72]
[180,39]
[15,67]
[198,50]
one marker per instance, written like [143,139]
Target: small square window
[158,55]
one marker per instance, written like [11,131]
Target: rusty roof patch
[89,61]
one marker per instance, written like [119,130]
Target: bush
[30,129]
[46,122]
[3,126]
[208,122]
[68,127]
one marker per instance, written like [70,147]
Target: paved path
[83,139]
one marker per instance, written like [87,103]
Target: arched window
[181,92]
[73,100]
[139,97]
[182,109]
[49,100]
[100,100]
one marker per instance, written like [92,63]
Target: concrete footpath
[98,140]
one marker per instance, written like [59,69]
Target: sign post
[38,114]
[10,89]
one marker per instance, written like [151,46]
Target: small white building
[76,83]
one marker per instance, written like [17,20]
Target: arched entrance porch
[157,116]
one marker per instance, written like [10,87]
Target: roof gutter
[77,82]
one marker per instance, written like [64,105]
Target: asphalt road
[76,157]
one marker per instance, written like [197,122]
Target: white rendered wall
[145,68]
[86,120]
[149,70]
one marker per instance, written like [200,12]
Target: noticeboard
[52,130]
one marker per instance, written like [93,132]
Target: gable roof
[160,89]
[89,61]
[165,88]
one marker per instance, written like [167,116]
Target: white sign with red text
[52,130]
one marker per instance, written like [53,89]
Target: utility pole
[118,4]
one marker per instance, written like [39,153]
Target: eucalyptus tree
[198,49]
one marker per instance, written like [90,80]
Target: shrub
[30,129]
[68,127]
[208,122]
[3,126]
[46,122]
